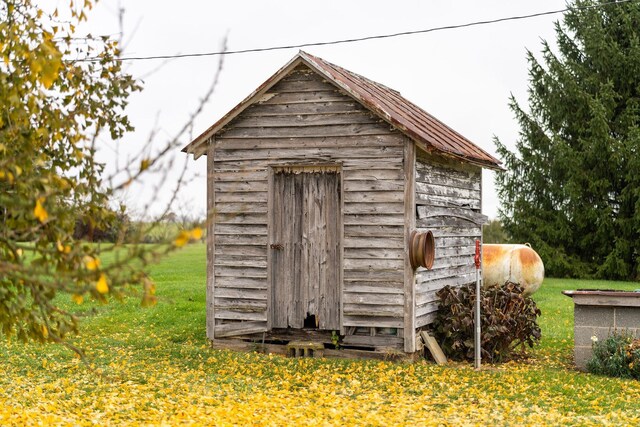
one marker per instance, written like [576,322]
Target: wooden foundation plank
[231,329]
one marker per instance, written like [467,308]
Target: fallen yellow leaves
[223,388]
[152,367]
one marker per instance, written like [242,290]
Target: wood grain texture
[305,272]
[375,341]
[448,197]
[305,122]
[232,329]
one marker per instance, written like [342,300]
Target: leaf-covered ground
[153,367]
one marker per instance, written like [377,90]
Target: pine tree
[572,188]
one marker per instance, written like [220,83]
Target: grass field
[152,367]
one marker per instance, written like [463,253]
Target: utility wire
[359,39]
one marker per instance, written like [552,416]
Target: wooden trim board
[211,226]
[409,225]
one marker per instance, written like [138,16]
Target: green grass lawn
[152,366]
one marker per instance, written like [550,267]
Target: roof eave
[481,163]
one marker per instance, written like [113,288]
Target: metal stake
[477,340]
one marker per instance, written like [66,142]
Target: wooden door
[305,223]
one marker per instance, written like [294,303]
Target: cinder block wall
[600,321]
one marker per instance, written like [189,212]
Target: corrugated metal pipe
[422,249]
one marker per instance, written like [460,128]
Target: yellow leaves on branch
[182,239]
[144,164]
[48,63]
[101,286]
[91,263]
[65,249]
[196,233]
[187,235]
[149,293]
[7,175]
[39,211]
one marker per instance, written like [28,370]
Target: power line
[358,39]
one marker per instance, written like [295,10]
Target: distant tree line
[120,228]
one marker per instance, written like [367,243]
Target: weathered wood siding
[448,203]
[303,120]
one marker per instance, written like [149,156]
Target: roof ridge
[389,104]
[360,76]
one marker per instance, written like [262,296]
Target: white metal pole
[477,340]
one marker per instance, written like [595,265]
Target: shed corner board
[409,163]
[211,220]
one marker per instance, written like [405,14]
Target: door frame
[304,168]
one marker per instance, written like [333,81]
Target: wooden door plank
[276,250]
[311,238]
[297,314]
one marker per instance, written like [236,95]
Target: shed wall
[304,120]
[448,202]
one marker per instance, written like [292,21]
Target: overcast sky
[463,76]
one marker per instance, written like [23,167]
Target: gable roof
[428,132]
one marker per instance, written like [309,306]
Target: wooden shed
[316,182]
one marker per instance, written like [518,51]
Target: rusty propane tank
[513,263]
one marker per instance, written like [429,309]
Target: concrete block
[591,315]
[582,335]
[627,317]
[581,357]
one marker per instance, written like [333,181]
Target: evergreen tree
[572,188]
[493,232]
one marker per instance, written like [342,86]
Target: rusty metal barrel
[513,263]
[422,249]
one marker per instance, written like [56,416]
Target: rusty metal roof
[430,133]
